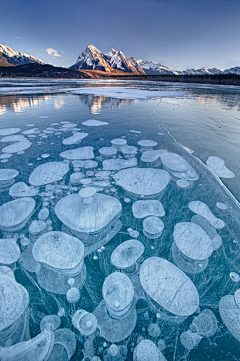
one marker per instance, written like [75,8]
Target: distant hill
[41,71]
[94,59]
[10,57]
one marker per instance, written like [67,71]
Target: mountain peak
[93,59]
[11,57]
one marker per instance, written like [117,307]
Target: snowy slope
[153,68]
[10,57]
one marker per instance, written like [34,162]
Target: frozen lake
[119,220]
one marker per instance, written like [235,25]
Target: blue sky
[177,33]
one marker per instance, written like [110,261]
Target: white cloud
[53,52]
[17,37]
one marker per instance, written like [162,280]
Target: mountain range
[114,62]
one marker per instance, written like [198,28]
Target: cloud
[17,37]
[53,52]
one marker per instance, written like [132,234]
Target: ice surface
[147,350]
[192,241]
[48,173]
[75,138]
[153,227]
[15,214]
[14,301]
[146,208]
[94,123]
[116,164]
[203,210]
[78,153]
[167,285]
[127,253]
[9,251]
[85,218]
[219,168]
[126,92]
[143,182]
[21,189]
[58,250]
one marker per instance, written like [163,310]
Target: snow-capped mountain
[153,68]
[234,70]
[94,59]
[9,57]
[201,71]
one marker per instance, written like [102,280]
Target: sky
[180,34]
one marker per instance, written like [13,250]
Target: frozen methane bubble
[108,151]
[21,189]
[58,250]
[6,271]
[76,138]
[189,340]
[84,218]
[234,276]
[143,182]
[153,227]
[167,285]
[94,123]
[15,214]
[118,293]
[53,320]
[20,143]
[178,166]
[48,173]
[210,230]
[154,330]
[237,297]
[118,143]
[145,143]
[222,206]
[37,348]
[76,177]
[129,150]
[192,241]
[81,153]
[65,338]
[116,164]
[146,208]
[7,176]
[43,214]
[9,131]
[9,251]
[88,164]
[73,295]
[87,192]
[230,315]
[218,166]
[203,210]
[182,183]
[205,324]
[147,350]
[151,156]
[14,301]
[85,322]
[127,253]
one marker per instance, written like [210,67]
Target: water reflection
[95,103]
[19,103]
